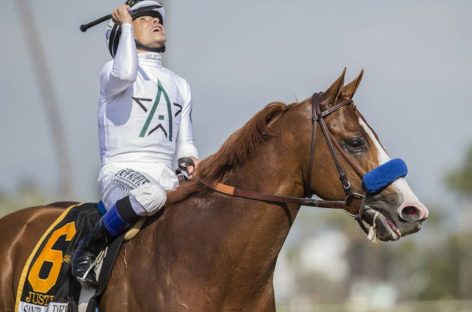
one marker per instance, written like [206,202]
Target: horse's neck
[228,242]
[263,227]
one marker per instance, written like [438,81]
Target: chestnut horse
[209,251]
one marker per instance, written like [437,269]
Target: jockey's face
[149,31]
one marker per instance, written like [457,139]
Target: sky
[238,56]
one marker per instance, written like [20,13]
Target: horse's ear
[331,95]
[349,90]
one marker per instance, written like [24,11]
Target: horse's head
[382,198]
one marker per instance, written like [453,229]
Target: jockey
[145,123]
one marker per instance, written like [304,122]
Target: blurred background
[238,56]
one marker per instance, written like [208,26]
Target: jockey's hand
[121,15]
[191,169]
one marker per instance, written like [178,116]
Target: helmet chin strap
[150,49]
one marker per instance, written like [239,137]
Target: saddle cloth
[46,283]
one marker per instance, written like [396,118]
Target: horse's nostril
[410,213]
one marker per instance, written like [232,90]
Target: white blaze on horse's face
[410,207]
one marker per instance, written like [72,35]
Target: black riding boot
[113,223]
[87,252]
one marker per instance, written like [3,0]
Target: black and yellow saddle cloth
[46,283]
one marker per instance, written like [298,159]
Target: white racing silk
[144,115]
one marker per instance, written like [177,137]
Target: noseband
[351,196]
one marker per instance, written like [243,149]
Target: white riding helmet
[138,8]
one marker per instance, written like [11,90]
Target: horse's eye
[355,145]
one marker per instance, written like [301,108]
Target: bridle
[353,204]
[318,116]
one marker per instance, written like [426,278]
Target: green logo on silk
[160,92]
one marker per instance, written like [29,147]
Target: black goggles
[133,2]
[147,11]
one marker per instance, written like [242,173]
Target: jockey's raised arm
[121,72]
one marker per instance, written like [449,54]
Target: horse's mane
[242,144]
[238,148]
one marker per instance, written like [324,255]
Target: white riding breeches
[146,193]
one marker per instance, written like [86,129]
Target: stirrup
[83,280]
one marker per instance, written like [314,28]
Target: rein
[306,201]
[351,196]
